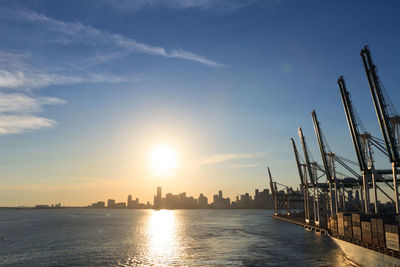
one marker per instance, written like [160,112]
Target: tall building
[202,202]
[111,203]
[132,204]
[157,198]
[159,192]
[220,202]
[182,200]
[169,201]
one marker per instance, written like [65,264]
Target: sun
[163,160]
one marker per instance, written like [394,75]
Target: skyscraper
[159,192]
[111,203]
[157,198]
[130,203]
[202,202]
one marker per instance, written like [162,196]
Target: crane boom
[271,183]
[321,144]
[273,191]
[380,106]
[353,125]
[296,155]
[384,119]
[306,157]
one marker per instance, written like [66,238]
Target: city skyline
[261,199]
[101,99]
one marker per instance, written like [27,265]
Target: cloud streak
[219,158]
[28,68]
[77,28]
[12,124]
[250,165]
[17,112]
[40,79]
[219,6]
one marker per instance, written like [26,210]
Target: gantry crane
[358,145]
[330,178]
[389,125]
[311,175]
[303,181]
[274,192]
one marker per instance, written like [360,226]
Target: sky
[89,88]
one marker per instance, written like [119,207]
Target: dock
[302,223]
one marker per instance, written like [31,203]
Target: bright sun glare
[163,160]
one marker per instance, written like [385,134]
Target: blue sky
[86,87]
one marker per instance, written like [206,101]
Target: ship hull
[365,257]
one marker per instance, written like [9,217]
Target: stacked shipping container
[380,232]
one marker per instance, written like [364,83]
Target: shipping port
[348,207]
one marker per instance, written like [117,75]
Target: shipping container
[323,222]
[356,219]
[392,236]
[357,233]
[374,230]
[334,226]
[348,230]
[366,232]
[381,232]
[340,222]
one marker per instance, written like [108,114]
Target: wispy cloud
[250,165]
[81,31]
[39,79]
[219,158]
[24,66]
[17,112]
[22,103]
[11,124]
[18,109]
[219,6]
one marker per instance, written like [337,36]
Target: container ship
[335,196]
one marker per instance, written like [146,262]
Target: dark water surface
[84,237]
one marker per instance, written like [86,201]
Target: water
[84,237]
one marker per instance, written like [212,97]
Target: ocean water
[86,237]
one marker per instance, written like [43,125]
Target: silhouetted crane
[273,191]
[330,178]
[357,142]
[389,125]
[313,177]
[303,181]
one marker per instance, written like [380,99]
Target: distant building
[157,199]
[169,199]
[262,200]
[220,202]
[133,204]
[111,203]
[202,202]
[98,205]
[120,205]
[42,207]
[182,201]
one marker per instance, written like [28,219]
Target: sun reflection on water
[163,242]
